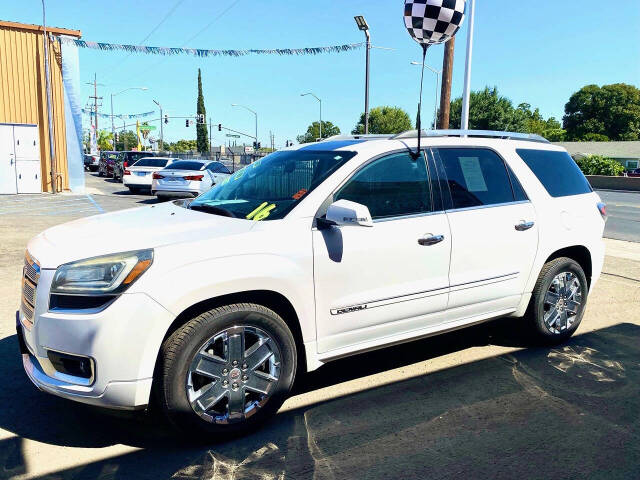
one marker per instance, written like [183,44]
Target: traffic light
[219,127]
[186,122]
[166,119]
[200,119]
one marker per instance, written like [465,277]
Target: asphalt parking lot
[479,403]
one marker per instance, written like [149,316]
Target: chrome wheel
[562,302]
[233,374]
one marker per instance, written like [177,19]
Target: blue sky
[538,52]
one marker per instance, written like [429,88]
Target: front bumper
[122,342]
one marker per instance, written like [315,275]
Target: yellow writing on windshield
[261,212]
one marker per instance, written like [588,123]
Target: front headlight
[107,275]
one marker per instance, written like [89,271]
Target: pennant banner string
[104,115]
[197,52]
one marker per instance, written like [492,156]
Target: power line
[153,30]
[206,27]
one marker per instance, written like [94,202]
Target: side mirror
[345,212]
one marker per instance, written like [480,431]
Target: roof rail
[527,137]
[357,137]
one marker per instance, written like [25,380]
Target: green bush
[599,165]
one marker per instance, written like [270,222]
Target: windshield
[186,165]
[151,162]
[270,187]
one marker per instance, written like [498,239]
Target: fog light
[71,364]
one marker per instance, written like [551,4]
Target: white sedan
[188,178]
[139,175]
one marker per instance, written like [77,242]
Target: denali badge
[340,311]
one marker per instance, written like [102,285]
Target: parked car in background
[139,175]
[91,161]
[106,162]
[634,173]
[188,178]
[126,159]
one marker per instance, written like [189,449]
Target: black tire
[179,349]
[134,190]
[100,173]
[536,311]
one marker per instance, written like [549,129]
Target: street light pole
[314,96]
[438,73]
[363,26]
[252,111]
[113,128]
[161,126]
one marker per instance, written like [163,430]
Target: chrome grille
[31,275]
[31,270]
[29,291]
[27,314]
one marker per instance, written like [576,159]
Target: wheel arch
[267,298]
[578,253]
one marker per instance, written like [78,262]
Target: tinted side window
[557,171]
[391,186]
[518,191]
[476,177]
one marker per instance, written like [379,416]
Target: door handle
[521,227]
[428,241]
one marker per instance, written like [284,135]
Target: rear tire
[558,301]
[100,173]
[248,356]
[134,190]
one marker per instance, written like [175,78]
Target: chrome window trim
[413,215]
[480,207]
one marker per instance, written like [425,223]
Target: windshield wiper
[212,209]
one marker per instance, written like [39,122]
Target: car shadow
[566,411]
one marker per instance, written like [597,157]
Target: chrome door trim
[496,279]
[389,301]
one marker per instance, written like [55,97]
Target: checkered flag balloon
[433,21]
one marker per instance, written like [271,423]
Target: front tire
[558,301]
[226,371]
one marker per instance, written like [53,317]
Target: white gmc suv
[209,307]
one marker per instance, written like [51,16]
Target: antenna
[417,153]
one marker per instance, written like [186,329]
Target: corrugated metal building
[23,107]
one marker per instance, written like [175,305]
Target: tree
[384,120]
[490,111]
[313,132]
[535,123]
[201,128]
[126,140]
[599,165]
[611,111]
[182,146]
[104,140]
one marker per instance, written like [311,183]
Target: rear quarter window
[557,171]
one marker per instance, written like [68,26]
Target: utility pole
[95,98]
[445,94]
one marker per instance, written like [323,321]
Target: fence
[233,161]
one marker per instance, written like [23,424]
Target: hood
[126,230]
